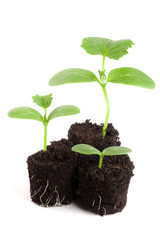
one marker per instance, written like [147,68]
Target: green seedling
[110,151]
[111,49]
[44,102]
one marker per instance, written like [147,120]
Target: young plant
[44,102]
[111,49]
[110,151]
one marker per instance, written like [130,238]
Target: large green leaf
[111,151]
[130,76]
[25,113]
[43,101]
[85,149]
[72,75]
[106,47]
[64,110]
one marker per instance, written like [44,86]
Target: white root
[99,205]
[48,200]
[58,201]
[38,180]
[32,177]
[93,203]
[105,211]
[115,206]
[46,203]
[100,200]
[36,191]
[44,192]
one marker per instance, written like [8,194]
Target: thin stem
[108,109]
[101,161]
[45,131]
[102,73]
[103,85]
[45,138]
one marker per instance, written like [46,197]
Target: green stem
[108,109]
[100,161]
[45,137]
[45,131]
[103,85]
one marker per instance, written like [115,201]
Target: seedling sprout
[110,151]
[44,102]
[125,75]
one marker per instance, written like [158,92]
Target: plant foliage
[106,48]
[44,102]
[110,151]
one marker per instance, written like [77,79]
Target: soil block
[104,191]
[91,133]
[51,174]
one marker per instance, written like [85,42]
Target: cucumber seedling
[111,49]
[110,151]
[44,102]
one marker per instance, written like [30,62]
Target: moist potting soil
[104,191]
[91,133]
[51,174]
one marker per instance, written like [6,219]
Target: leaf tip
[74,148]
[9,114]
[131,43]
[51,82]
[153,85]
[78,110]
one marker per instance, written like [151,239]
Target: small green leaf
[130,76]
[25,113]
[118,49]
[72,75]
[43,101]
[64,110]
[111,151]
[85,149]
[106,47]
[96,45]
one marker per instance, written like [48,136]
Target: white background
[40,38]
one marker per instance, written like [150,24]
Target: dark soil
[104,191]
[57,174]
[91,133]
[51,174]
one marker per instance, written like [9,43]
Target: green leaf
[118,49]
[25,113]
[111,151]
[64,110]
[72,75]
[85,149]
[96,45]
[106,47]
[130,76]
[43,101]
